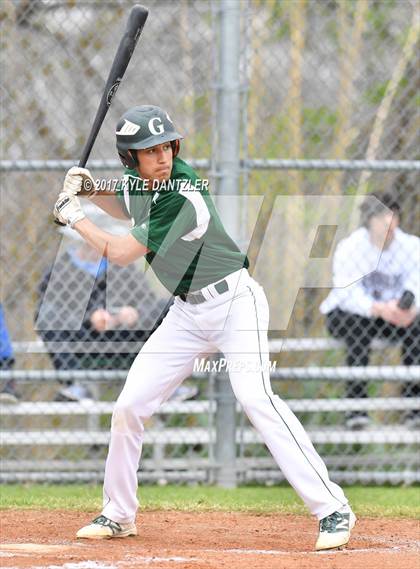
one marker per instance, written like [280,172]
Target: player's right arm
[121,250]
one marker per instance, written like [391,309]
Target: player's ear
[133,159]
[134,156]
[175,147]
[129,159]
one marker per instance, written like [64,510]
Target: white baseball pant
[235,323]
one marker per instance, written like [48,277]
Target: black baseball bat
[135,23]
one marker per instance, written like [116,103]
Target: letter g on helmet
[142,127]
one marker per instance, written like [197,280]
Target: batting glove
[78,180]
[67,209]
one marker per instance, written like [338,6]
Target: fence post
[227,169]
[225,445]
[226,153]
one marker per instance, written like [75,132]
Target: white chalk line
[29,549]
[150,560]
[79,565]
[147,560]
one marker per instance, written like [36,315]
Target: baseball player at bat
[218,308]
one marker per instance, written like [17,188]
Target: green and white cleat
[104,528]
[334,530]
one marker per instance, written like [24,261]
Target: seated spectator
[8,394]
[106,320]
[121,308]
[382,262]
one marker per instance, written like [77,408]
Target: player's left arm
[111,205]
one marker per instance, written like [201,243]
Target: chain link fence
[318,110]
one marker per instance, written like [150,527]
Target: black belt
[199,298]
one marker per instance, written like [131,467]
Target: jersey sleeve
[122,201]
[171,218]
[123,188]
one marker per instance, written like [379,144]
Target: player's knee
[125,419]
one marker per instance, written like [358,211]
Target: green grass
[366,501]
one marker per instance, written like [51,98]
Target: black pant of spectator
[358,333]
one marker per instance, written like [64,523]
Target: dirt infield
[214,540]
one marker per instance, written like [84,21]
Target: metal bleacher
[90,432]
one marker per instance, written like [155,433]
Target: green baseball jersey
[178,222]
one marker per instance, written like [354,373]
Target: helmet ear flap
[129,159]
[175,147]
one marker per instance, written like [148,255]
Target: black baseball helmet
[142,127]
